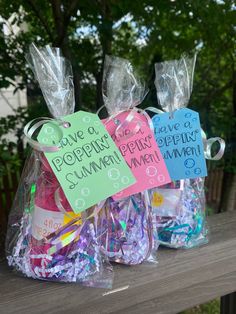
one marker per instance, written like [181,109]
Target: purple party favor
[125,225]
[126,229]
[46,239]
[179,207]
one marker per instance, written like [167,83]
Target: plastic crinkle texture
[125,226]
[46,239]
[180,213]
[174,82]
[126,230]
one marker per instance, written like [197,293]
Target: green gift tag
[88,165]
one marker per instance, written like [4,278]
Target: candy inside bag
[125,225]
[179,207]
[46,239]
[180,213]
[125,230]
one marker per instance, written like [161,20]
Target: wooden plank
[8,187]
[213,185]
[186,298]
[208,186]
[136,287]
[220,185]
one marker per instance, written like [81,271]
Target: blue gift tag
[180,141]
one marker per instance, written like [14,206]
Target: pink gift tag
[140,151]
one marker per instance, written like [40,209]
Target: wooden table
[182,279]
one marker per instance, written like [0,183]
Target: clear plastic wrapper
[126,230]
[46,239]
[125,226]
[122,89]
[179,206]
[174,82]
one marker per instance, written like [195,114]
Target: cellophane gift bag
[125,224]
[180,206]
[46,239]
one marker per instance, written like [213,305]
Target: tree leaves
[144,32]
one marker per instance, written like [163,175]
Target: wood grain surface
[182,279]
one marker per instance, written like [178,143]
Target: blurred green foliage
[143,31]
[212,307]
[12,148]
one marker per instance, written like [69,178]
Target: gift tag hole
[66,124]
[116,121]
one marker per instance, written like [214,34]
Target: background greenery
[145,32]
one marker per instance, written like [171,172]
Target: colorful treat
[179,207]
[180,218]
[46,239]
[126,229]
[68,252]
[125,222]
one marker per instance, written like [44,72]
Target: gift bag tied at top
[129,238]
[130,127]
[46,238]
[179,207]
